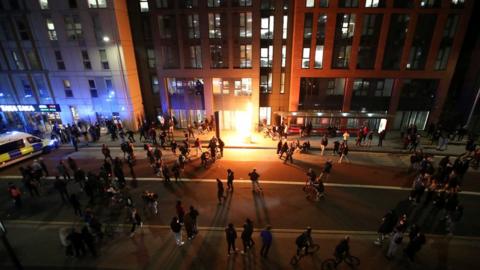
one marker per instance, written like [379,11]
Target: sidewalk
[392,144]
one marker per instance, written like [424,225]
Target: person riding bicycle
[312,176]
[304,241]
[342,250]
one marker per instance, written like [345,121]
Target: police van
[17,146]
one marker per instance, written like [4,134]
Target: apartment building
[66,61]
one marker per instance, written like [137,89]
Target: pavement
[358,194]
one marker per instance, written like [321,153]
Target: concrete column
[394,100]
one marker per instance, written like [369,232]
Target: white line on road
[369,234]
[267,182]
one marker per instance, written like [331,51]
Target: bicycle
[313,248]
[311,192]
[330,264]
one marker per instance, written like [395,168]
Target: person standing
[176,228]
[381,137]
[221,145]
[230,178]
[415,244]
[15,194]
[324,143]
[193,213]
[198,146]
[89,240]
[344,153]
[336,147]
[279,147]
[76,205]
[106,152]
[247,236]
[136,221]
[266,236]
[346,136]
[231,235]
[75,143]
[44,166]
[62,171]
[61,186]
[173,145]
[254,178]
[220,191]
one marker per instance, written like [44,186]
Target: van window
[32,140]
[10,146]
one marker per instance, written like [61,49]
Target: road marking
[267,182]
[369,234]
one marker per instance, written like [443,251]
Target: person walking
[344,153]
[221,145]
[346,136]
[266,236]
[198,147]
[336,147]
[89,241]
[76,205]
[388,222]
[180,211]
[220,191]
[43,166]
[75,143]
[188,222]
[381,137]
[230,178]
[62,171]
[136,221]
[231,235]
[395,243]
[106,152]
[324,143]
[254,176]
[193,213]
[247,236]
[176,228]
[15,194]
[415,244]
[61,187]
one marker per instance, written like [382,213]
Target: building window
[214,25]
[72,3]
[97,3]
[373,87]
[344,31]
[285,27]
[442,58]
[306,58]
[67,87]
[143,5]
[421,41]
[27,88]
[169,55]
[163,3]
[97,27]
[307,26]
[347,3]
[86,60]
[245,56]
[450,26]
[189,3]
[367,52]
[93,88]
[193,26]
[155,84]
[323,3]
[244,3]
[109,87]
[195,56]
[217,56]
[267,5]
[282,83]
[215,3]
[245,24]
[32,59]
[266,27]
[59,59]
[104,59]
[457,3]
[73,28]
[447,42]
[335,87]
[309,3]
[266,56]
[18,62]
[284,55]
[22,30]
[375,3]
[266,83]
[321,24]
[395,41]
[165,25]
[319,56]
[43,4]
[243,87]
[430,3]
[151,58]
[52,34]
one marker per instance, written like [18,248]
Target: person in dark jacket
[247,236]
[176,228]
[76,205]
[231,235]
[61,186]
[220,191]
[77,242]
[266,236]
[389,221]
[89,240]
[230,178]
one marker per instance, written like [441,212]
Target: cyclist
[326,169]
[304,241]
[320,188]
[342,250]
[311,176]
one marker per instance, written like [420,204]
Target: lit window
[73,27]
[319,56]
[43,4]
[97,3]
[214,3]
[282,83]
[67,87]
[284,55]
[372,3]
[245,56]
[266,83]
[104,59]
[246,24]
[18,62]
[143,5]
[266,28]
[193,26]
[155,84]
[195,56]
[151,58]
[306,58]
[285,27]
[214,25]
[266,56]
[52,34]
[310,3]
